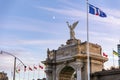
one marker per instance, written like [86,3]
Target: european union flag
[96,11]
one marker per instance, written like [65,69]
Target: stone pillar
[79,65]
[79,74]
[54,73]
[48,73]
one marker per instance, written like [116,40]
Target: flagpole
[19,76]
[113,60]
[88,55]
[28,74]
[24,75]
[38,71]
[11,73]
[102,61]
[33,72]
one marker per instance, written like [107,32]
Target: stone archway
[71,58]
[67,73]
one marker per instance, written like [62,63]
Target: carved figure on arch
[72,27]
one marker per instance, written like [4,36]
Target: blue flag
[96,11]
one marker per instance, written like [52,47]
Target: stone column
[54,73]
[48,75]
[79,65]
[79,74]
[48,72]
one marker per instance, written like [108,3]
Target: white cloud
[68,3]
[113,12]
[30,42]
[68,12]
[22,25]
[39,42]
[109,20]
[29,25]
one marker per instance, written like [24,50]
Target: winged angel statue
[72,27]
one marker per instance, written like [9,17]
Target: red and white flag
[35,67]
[105,55]
[30,68]
[18,70]
[41,67]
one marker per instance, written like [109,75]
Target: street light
[14,62]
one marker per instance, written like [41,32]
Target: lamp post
[14,62]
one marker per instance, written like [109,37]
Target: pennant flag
[30,68]
[115,53]
[41,67]
[104,54]
[35,67]
[18,70]
[96,11]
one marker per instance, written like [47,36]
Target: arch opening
[67,73]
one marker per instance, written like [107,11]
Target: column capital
[79,64]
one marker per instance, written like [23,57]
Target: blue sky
[29,27]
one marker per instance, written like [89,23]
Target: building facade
[106,75]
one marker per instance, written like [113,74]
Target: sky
[29,27]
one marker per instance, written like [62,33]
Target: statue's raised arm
[72,27]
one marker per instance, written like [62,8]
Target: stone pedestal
[73,41]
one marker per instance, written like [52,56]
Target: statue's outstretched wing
[68,24]
[74,24]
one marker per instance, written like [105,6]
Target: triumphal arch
[69,61]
